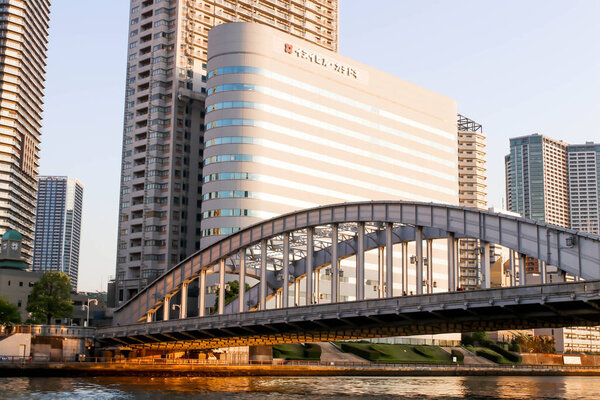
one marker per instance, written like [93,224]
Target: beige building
[16,285]
[290,125]
[161,179]
[24,32]
[472,182]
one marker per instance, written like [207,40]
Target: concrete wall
[16,345]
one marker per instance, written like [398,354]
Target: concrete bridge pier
[419,259]
[360,263]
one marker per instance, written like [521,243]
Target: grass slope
[297,351]
[398,353]
[489,354]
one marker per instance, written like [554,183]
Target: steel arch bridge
[277,253]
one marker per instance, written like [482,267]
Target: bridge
[278,253]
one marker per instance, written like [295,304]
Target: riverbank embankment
[84,369]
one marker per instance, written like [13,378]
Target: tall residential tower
[472,184]
[159,218]
[583,161]
[58,226]
[24,33]
[536,179]
[557,183]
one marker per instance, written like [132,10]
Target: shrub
[505,353]
[490,355]
[312,351]
[467,339]
[460,357]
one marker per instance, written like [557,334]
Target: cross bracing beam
[575,253]
[539,306]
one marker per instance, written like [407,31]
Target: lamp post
[176,306]
[87,307]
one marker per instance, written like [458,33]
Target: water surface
[314,388]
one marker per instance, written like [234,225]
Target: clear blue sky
[515,66]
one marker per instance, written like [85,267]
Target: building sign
[320,60]
[571,360]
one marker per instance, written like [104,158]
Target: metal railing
[289,363]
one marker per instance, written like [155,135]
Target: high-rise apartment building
[472,185]
[161,193]
[24,34]
[536,179]
[58,226]
[583,161]
[557,183]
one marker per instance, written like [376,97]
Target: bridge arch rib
[390,222]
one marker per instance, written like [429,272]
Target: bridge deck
[551,305]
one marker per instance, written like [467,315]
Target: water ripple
[292,388]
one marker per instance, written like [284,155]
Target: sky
[515,66]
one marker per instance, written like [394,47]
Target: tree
[9,313]
[232,291]
[50,298]
[534,344]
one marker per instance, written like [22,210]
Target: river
[314,388]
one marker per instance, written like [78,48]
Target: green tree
[9,313]
[50,298]
[232,292]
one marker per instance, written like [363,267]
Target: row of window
[227,158]
[219,231]
[230,122]
[231,212]
[229,140]
[223,176]
[228,194]
[330,111]
[332,96]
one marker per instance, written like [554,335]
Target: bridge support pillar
[513,271]
[429,247]
[242,281]
[389,260]
[451,266]
[166,308]
[184,300]
[309,266]
[360,263]
[543,272]
[457,263]
[297,292]
[380,272]
[263,275]
[404,268]
[285,294]
[485,266]
[335,270]
[221,286]
[419,259]
[202,293]
[522,270]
